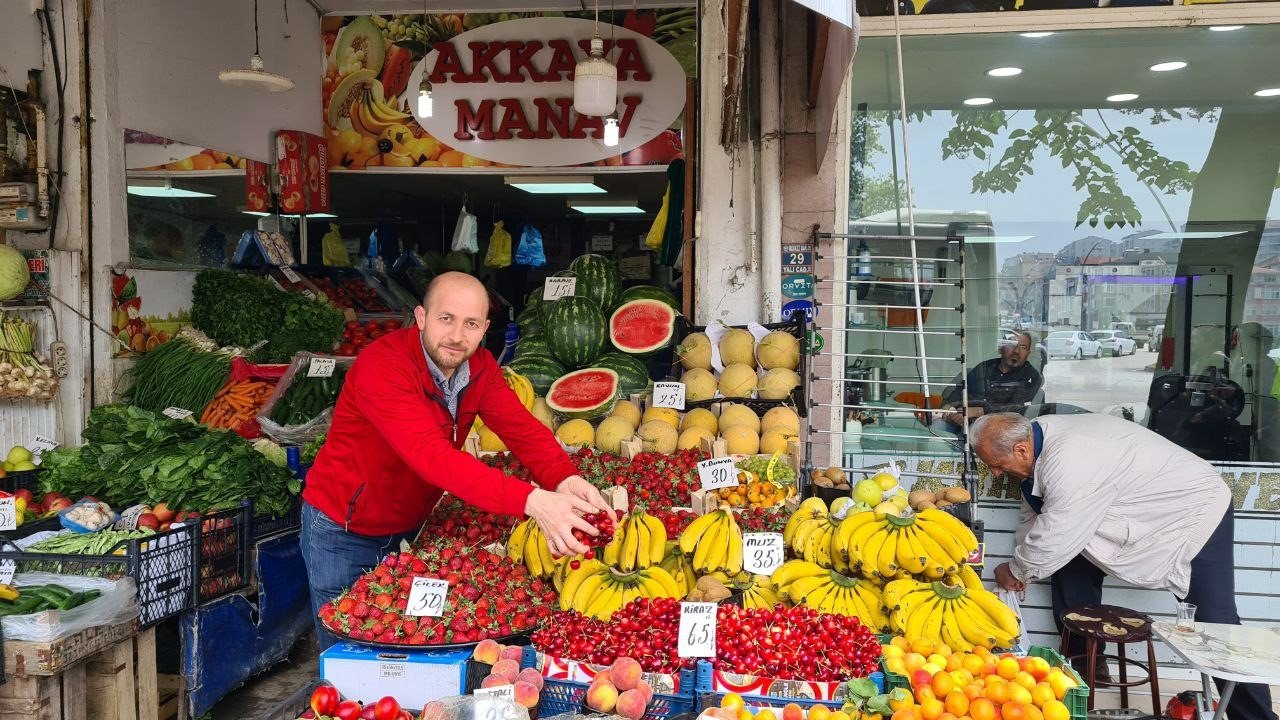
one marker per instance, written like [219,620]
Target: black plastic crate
[21,480]
[163,566]
[226,538]
[268,527]
[799,400]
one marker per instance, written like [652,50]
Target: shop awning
[836,46]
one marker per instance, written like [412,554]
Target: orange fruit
[202,162]
[1007,667]
[900,699]
[1013,711]
[1041,694]
[820,712]
[903,714]
[745,714]
[1033,713]
[956,703]
[1039,668]
[1025,679]
[947,716]
[923,692]
[973,690]
[973,663]
[941,649]
[1019,694]
[924,647]
[982,709]
[955,661]
[840,715]
[998,693]
[899,641]
[931,708]
[1056,710]
[734,701]
[766,714]
[1060,684]
[942,685]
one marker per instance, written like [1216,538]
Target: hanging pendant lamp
[595,79]
[256,77]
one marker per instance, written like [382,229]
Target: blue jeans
[335,558]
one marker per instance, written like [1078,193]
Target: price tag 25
[177,413]
[7,569]
[762,552]
[717,473]
[557,287]
[426,597]
[668,395]
[321,367]
[9,513]
[697,630]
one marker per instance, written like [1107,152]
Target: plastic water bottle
[509,343]
[864,260]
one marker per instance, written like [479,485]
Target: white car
[1116,342]
[1072,344]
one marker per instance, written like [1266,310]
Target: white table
[1233,653]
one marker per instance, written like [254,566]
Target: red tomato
[386,709]
[324,700]
[352,325]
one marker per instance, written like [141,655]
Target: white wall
[168,56]
[19,43]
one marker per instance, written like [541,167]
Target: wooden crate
[22,658]
[118,682]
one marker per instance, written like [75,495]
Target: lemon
[885,480]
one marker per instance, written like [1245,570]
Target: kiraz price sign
[558,287]
[717,473]
[762,553]
[426,597]
[668,395]
[697,630]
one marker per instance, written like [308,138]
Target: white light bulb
[424,102]
[595,83]
[611,131]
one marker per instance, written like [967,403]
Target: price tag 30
[697,629]
[177,413]
[7,569]
[321,367]
[762,552]
[426,597]
[668,395]
[717,473]
[557,287]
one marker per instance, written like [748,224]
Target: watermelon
[584,394]
[598,279]
[541,370]
[633,373]
[575,331]
[458,261]
[529,321]
[649,292]
[532,345]
[641,327]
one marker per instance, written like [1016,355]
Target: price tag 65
[177,413]
[717,473]
[668,395]
[557,287]
[697,629]
[761,552]
[321,367]
[426,597]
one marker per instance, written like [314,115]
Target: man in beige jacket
[1105,496]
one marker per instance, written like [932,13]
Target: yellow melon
[576,432]
[699,385]
[490,442]
[775,440]
[691,439]
[541,411]
[779,349]
[738,381]
[666,415]
[782,418]
[695,351]
[700,417]
[736,414]
[611,433]
[658,436]
[628,411]
[741,440]
[738,346]
[778,383]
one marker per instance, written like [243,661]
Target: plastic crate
[707,696]
[294,705]
[563,696]
[1077,698]
[22,480]
[269,527]
[223,551]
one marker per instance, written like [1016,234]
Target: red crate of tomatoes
[359,333]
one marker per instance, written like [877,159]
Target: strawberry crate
[225,539]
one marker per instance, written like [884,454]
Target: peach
[531,676]
[631,704]
[494,681]
[512,652]
[626,673]
[647,689]
[487,651]
[602,697]
[526,694]
[792,712]
[506,668]
[603,676]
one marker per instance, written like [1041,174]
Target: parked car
[1116,342]
[1039,355]
[1157,336]
[1140,336]
[1072,344]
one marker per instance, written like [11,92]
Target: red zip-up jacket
[393,448]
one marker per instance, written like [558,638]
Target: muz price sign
[761,553]
[426,597]
[697,629]
[557,287]
[668,395]
[717,473]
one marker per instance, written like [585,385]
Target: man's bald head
[453,282]
[453,318]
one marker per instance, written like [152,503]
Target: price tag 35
[426,597]
[9,513]
[177,413]
[321,367]
[557,287]
[717,473]
[762,552]
[668,395]
[697,630]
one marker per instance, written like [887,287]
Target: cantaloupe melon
[778,349]
[541,411]
[611,433]
[628,411]
[700,417]
[576,432]
[778,383]
[741,440]
[490,442]
[737,381]
[771,441]
[692,438]
[782,418]
[695,351]
[735,414]
[699,385]
[666,415]
[738,346]
[658,436]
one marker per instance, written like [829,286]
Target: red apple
[162,512]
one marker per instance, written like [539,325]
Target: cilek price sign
[426,597]
[761,552]
[717,473]
[668,395]
[697,630]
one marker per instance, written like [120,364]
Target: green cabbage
[14,275]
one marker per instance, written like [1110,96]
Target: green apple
[24,466]
[18,454]
[867,491]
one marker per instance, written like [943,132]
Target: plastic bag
[499,253]
[530,253]
[117,604]
[296,434]
[464,233]
[470,707]
[1010,598]
[333,252]
[653,240]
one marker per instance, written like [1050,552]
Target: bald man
[394,446]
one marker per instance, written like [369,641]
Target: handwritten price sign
[321,367]
[426,597]
[8,513]
[557,287]
[668,395]
[7,569]
[762,552]
[697,630]
[489,701]
[177,413]
[717,473]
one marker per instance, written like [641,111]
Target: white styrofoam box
[413,677]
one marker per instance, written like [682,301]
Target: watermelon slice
[642,326]
[584,394]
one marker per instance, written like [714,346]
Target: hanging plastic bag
[529,252]
[464,233]
[333,252]
[499,253]
[653,240]
[1010,598]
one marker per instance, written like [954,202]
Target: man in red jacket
[394,447]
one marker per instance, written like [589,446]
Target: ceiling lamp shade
[595,83]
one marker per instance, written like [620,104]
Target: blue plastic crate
[708,697]
[565,696]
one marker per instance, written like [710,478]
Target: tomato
[346,349]
[386,709]
[324,700]
[352,325]
[348,710]
[372,327]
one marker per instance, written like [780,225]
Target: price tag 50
[321,367]
[557,287]
[761,552]
[426,597]
[717,473]
[668,395]
[697,629]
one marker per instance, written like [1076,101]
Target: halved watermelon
[585,394]
[642,326]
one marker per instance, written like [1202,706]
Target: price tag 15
[668,395]
[426,597]
[697,630]
[557,287]
[8,513]
[321,367]
[7,569]
[489,701]
[762,553]
[717,473]
[177,413]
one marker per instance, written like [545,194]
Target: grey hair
[1000,431]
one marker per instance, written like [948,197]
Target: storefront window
[1118,191]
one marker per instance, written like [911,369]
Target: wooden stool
[1109,623]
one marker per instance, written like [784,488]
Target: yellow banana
[953,551]
[792,570]
[887,561]
[586,591]
[545,558]
[689,539]
[937,560]
[844,535]
[630,545]
[802,587]
[573,581]
[710,542]
[926,620]
[515,543]
[818,597]
[954,526]
[969,578]
[806,530]
[733,563]
[1001,614]
[969,623]
[613,550]
[657,537]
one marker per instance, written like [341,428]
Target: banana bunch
[823,589]
[639,542]
[929,545]
[371,115]
[714,542]
[761,594]
[962,616]
[528,545]
[597,590]
[809,531]
[521,386]
[680,567]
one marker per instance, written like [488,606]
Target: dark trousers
[1212,591]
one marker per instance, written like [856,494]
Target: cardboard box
[413,676]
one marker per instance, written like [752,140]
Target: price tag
[489,701]
[177,413]
[289,274]
[321,367]
[668,395]
[717,473]
[426,597]
[697,629]
[762,553]
[601,243]
[7,569]
[41,443]
[557,287]
[8,513]
[497,692]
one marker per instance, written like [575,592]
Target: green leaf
[862,688]
[880,705]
